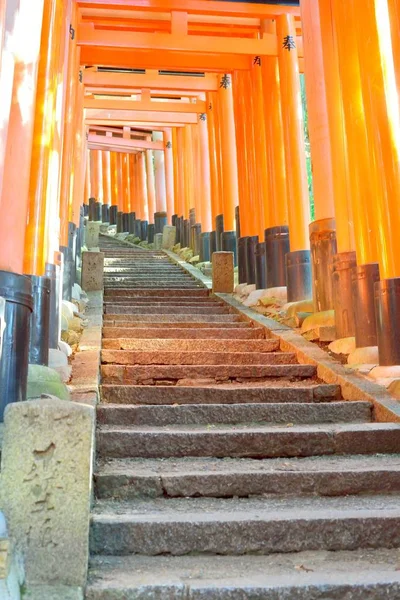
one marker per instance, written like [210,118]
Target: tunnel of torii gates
[146,112]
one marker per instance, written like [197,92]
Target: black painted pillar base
[276,247]
[219,228]
[250,245]
[132,219]
[53,272]
[363,280]
[160,220]
[66,274]
[186,233]
[15,310]
[40,321]
[228,242]
[120,222]
[342,266]
[192,217]
[150,233]
[178,226]
[242,260]
[138,228]
[213,243]
[105,213]
[143,230]
[86,210]
[174,219]
[113,215]
[387,307]
[205,255]
[92,209]
[72,240]
[298,275]
[80,233]
[323,249]
[261,268]
[98,207]
[195,239]
[125,222]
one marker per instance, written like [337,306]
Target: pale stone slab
[222,272]
[158,240]
[92,271]
[45,493]
[92,234]
[168,237]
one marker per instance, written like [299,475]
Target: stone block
[222,272]
[92,234]
[168,237]
[46,479]
[92,271]
[158,240]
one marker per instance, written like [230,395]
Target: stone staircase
[225,469]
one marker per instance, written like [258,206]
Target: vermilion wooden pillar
[371,26]
[169,172]
[114,178]
[151,185]
[142,181]
[18,149]
[8,20]
[211,99]
[204,155]
[261,163]
[338,143]
[188,167]
[120,185]
[180,150]
[35,241]
[362,171]
[126,186]
[394,14]
[322,230]
[229,157]
[298,267]
[106,161]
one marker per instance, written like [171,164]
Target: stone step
[123,282]
[161,301]
[158,357]
[274,392]
[179,309]
[358,575]
[130,321]
[128,479]
[194,293]
[191,345]
[124,374]
[178,331]
[251,441]
[206,414]
[243,526]
[176,317]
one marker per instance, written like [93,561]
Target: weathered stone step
[272,392]
[191,345]
[127,479]
[177,330]
[202,292]
[251,441]
[242,526]
[158,357]
[131,322]
[125,374]
[357,575]
[123,282]
[207,414]
[160,300]
[126,309]
[174,318]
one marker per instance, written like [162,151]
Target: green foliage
[307,145]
